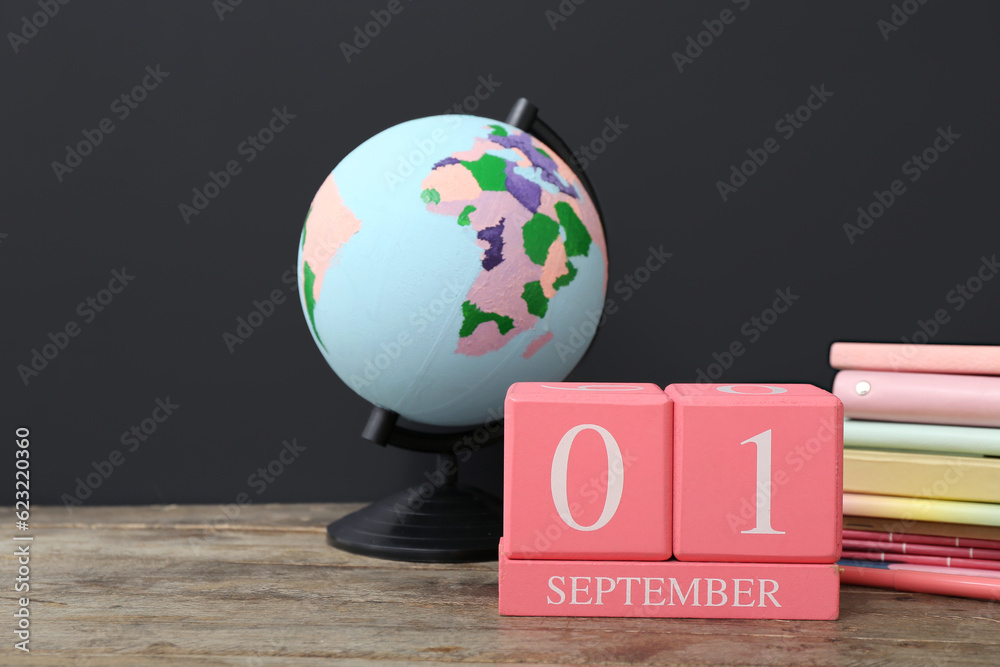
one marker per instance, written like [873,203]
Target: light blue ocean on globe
[446,258]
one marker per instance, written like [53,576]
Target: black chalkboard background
[885,82]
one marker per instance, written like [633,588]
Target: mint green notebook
[972,440]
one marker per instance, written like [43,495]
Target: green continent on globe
[488,172]
[539,233]
[463,217]
[577,238]
[537,302]
[529,217]
[310,282]
[473,317]
[566,278]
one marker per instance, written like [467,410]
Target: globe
[446,258]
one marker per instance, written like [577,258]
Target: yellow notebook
[936,476]
[921,509]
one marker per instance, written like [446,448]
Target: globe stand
[440,521]
[437,521]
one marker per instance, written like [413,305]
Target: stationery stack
[921,466]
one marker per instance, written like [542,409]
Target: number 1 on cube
[763,527]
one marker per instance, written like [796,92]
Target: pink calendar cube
[668,589]
[587,471]
[757,473]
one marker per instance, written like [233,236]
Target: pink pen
[880,576]
[938,569]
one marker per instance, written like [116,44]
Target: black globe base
[453,524]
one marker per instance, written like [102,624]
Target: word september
[651,591]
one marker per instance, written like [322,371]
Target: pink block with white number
[587,471]
[757,473]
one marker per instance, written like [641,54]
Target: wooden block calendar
[563,439]
[700,501]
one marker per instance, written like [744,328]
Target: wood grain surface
[189,585]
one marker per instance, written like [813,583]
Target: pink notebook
[940,561]
[906,538]
[874,546]
[957,359]
[928,398]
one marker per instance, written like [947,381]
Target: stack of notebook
[921,466]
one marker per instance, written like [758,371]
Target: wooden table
[189,585]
